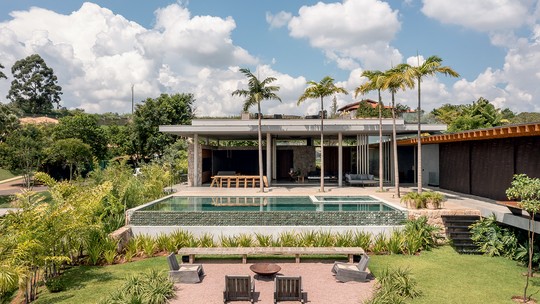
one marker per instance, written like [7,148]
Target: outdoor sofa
[360,179]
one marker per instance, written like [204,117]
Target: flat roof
[292,128]
[520,130]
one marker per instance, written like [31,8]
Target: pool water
[268,204]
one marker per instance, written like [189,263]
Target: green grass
[90,284]
[445,276]
[5,201]
[5,174]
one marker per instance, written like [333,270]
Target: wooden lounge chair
[239,288]
[289,289]
[352,272]
[185,273]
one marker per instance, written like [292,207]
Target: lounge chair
[352,272]
[289,289]
[239,288]
[185,273]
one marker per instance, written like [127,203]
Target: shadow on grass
[79,277]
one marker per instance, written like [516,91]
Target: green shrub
[287,239]
[245,240]
[395,286]
[182,238]
[419,231]
[55,285]
[264,240]
[380,244]
[395,242]
[362,239]
[152,287]
[344,239]
[324,239]
[229,241]
[413,200]
[206,240]
[130,250]
[494,240]
[307,238]
[164,243]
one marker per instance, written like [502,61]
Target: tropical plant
[376,81]
[395,286]
[492,239]
[229,241]
[324,239]
[287,239]
[433,200]
[153,287]
[380,244]
[527,191]
[362,239]
[396,240]
[344,239]
[258,91]
[308,238]
[419,230]
[181,238]
[413,200]
[264,240]
[394,81]
[324,88]
[245,240]
[431,66]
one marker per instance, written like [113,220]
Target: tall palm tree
[376,81]
[429,67]
[324,88]
[393,82]
[2,75]
[256,92]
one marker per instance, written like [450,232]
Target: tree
[376,81]
[2,75]
[324,88]
[527,191]
[9,121]
[167,109]
[429,67]
[86,128]
[23,150]
[394,82]
[258,91]
[70,152]
[526,117]
[34,88]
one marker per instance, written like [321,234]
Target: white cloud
[353,33]
[480,15]
[98,55]
[279,20]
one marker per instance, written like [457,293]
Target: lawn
[443,276]
[5,201]
[90,284]
[5,174]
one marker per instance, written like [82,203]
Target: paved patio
[317,281]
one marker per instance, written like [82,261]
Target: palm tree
[429,67]
[325,87]
[258,91]
[2,75]
[376,81]
[395,81]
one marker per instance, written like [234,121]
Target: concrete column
[196,168]
[274,163]
[340,159]
[269,158]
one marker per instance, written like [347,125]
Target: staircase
[457,230]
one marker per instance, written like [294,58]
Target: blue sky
[99,48]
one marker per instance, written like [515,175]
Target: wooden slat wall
[454,167]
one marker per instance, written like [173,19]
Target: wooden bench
[245,251]
[237,180]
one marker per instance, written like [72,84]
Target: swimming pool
[252,211]
[268,204]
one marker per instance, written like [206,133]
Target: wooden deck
[237,180]
[295,251]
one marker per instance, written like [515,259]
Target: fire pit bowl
[265,269]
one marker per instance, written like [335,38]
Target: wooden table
[237,180]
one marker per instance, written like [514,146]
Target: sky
[100,49]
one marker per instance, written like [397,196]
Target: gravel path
[317,281]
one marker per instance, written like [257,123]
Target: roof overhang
[521,130]
[292,128]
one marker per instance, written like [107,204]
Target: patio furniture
[245,251]
[239,288]
[237,180]
[185,273]
[360,179]
[265,269]
[289,289]
[345,272]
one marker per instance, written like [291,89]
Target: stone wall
[122,235]
[303,158]
[268,218]
[435,216]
